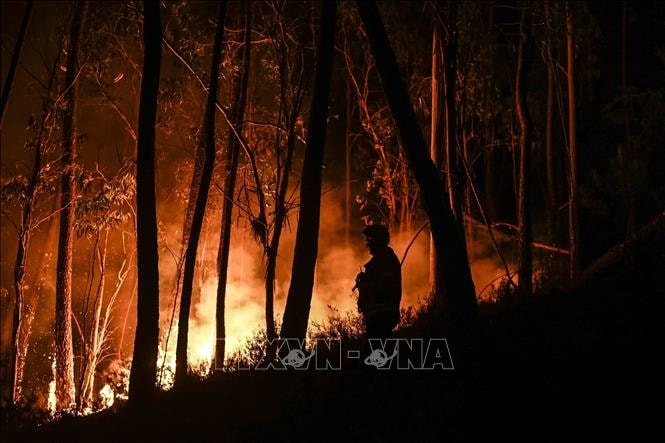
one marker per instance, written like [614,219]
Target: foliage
[109,207]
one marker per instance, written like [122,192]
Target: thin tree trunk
[549,124]
[436,137]
[454,173]
[630,204]
[142,377]
[9,80]
[524,188]
[19,274]
[93,351]
[454,268]
[231,160]
[201,202]
[280,218]
[296,312]
[65,388]
[347,162]
[16,369]
[290,115]
[573,221]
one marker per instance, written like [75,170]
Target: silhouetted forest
[184,185]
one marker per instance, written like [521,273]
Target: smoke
[338,262]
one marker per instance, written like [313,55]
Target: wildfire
[52,400]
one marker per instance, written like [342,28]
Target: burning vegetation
[183,182]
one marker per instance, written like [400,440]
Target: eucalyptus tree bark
[9,80]
[573,221]
[296,312]
[454,270]
[142,377]
[525,266]
[201,201]
[231,169]
[64,353]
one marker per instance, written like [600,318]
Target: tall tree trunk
[549,124]
[96,336]
[454,172]
[525,265]
[231,162]
[296,312]
[437,141]
[272,250]
[9,80]
[347,162]
[16,369]
[454,269]
[201,202]
[290,114]
[573,219]
[142,377]
[630,204]
[64,354]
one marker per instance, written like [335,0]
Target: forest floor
[562,366]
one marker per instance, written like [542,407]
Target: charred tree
[296,312]
[144,362]
[208,141]
[525,264]
[460,297]
[64,354]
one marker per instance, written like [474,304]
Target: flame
[52,401]
[106,396]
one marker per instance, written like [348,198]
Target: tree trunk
[454,172]
[16,370]
[296,312]
[96,336]
[630,170]
[573,222]
[290,115]
[271,253]
[525,265]
[347,163]
[64,354]
[231,162]
[9,80]
[144,362]
[201,202]
[436,136]
[549,123]
[454,268]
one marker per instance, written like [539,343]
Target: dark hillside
[559,367]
